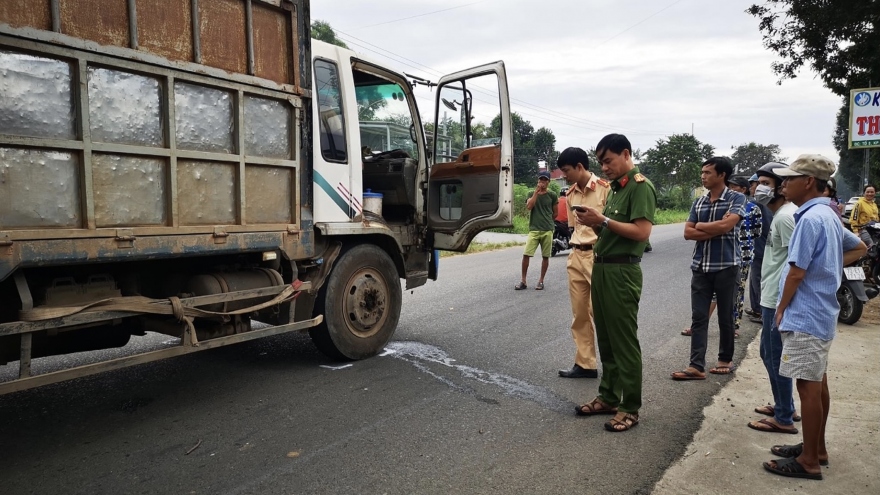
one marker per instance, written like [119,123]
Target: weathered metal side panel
[115,142]
[272,53]
[26,13]
[164,27]
[266,186]
[223,34]
[207,192]
[54,204]
[102,21]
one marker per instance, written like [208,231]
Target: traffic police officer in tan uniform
[623,227]
[586,190]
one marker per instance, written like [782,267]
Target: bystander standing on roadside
[806,314]
[586,190]
[623,228]
[750,228]
[542,208]
[863,213]
[713,224]
[769,192]
[760,242]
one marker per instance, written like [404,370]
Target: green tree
[675,161]
[748,158]
[322,30]
[837,39]
[525,157]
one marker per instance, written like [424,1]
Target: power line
[586,124]
[418,15]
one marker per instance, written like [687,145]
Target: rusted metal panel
[268,194]
[165,28]
[26,13]
[39,188]
[272,54]
[101,21]
[206,192]
[129,190]
[223,35]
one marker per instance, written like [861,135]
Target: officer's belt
[582,247]
[617,259]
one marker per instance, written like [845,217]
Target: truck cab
[439,187]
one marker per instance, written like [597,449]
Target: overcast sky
[584,68]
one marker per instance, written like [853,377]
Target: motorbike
[561,237]
[853,294]
[872,259]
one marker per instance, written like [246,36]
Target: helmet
[769,170]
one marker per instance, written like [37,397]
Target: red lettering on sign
[874,125]
[861,121]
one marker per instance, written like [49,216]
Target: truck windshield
[385,119]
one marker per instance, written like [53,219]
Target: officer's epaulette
[640,178]
[602,182]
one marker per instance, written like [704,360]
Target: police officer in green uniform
[623,227]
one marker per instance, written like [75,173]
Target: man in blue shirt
[715,268]
[807,310]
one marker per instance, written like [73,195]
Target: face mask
[764,194]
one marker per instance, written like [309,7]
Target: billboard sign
[864,118]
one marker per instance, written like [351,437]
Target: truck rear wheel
[361,305]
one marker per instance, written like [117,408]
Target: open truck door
[470,183]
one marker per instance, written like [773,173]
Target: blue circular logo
[863,98]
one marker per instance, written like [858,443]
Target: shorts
[804,357]
[539,238]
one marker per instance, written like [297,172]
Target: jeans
[771,354]
[755,286]
[723,284]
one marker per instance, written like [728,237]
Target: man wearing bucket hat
[806,313]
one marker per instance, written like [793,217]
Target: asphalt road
[464,400]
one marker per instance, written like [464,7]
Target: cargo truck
[202,169]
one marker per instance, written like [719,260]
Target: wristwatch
[605,222]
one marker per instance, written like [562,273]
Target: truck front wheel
[360,302]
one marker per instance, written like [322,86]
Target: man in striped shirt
[715,268]
[806,313]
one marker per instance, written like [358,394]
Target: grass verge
[662,217]
[477,247]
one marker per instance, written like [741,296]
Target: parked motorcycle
[561,236]
[872,259]
[852,294]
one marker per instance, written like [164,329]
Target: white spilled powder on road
[422,355]
[334,368]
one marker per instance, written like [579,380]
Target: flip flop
[770,427]
[520,286]
[687,332]
[540,286]
[768,411]
[791,468]
[792,451]
[688,374]
[723,370]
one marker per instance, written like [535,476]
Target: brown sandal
[627,422]
[595,406]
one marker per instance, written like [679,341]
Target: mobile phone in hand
[579,208]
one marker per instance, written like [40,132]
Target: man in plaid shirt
[713,224]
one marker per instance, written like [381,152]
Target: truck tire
[360,302]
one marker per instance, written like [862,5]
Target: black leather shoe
[578,372]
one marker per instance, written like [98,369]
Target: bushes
[674,198]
